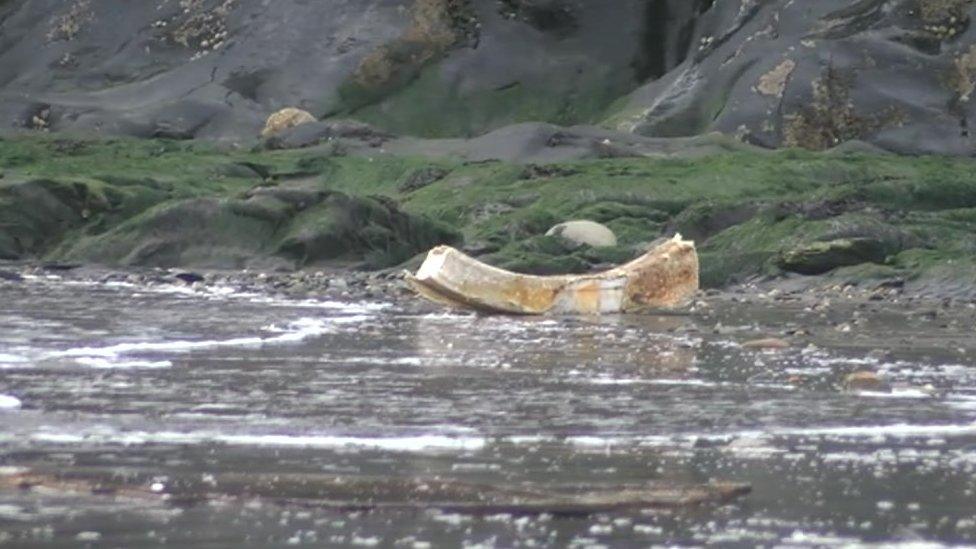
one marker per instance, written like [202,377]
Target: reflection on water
[172,388]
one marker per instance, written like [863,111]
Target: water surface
[168,383]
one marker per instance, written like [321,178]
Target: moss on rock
[157,202]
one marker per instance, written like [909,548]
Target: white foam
[331,305]
[13,470]
[8,402]
[405,444]
[898,430]
[961,401]
[818,540]
[686,382]
[614,381]
[107,364]
[296,331]
[9,361]
[896,393]
[901,430]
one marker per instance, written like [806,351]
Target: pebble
[865,381]
[88,536]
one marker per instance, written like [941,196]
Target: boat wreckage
[664,278]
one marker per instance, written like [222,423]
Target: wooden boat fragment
[666,277]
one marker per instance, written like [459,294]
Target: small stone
[189,278]
[88,536]
[767,343]
[865,381]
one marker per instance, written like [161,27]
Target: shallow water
[171,383]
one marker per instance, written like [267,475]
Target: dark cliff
[896,73]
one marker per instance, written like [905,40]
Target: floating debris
[349,493]
[666,277]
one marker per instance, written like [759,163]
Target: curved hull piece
[664,278]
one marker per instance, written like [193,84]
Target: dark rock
[189,278]
[10,276]
[60,267]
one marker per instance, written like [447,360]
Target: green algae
[83,200]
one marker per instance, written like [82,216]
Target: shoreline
[763,318]
[352,285]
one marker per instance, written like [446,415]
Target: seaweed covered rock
[821,257]
[859,218]
[34,214]
[267,227]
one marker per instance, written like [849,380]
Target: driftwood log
[351,493]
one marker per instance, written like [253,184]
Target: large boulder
[285,119]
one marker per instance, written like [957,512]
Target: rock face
[899,74]
[216,68]
[584,233]
[896,73]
